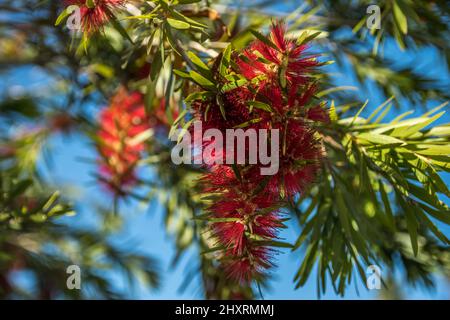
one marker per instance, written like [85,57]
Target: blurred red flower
[245,215]
[120,123]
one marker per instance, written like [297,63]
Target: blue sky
[145,231]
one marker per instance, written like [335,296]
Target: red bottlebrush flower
[319,114]
[245,216]
[267,225]
[120,122]
[235,104]
[231,235]
[95,13]
[286,59]
[299,160]
[242,217]
[252,265]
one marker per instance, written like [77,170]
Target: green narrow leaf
[84,44]
[225,62]
[200,66]
[400,18]
[20,188]
[221,106]
[149,96]
[201,80]
[214,249]
[380,139]
[306,16]
[50,201]
[306,37]
[342,212]
[201,95]
[439,131]
[282,73]
[247,123]
[197,61]
[116,24]
[233,84]
[194,24]
[399,38]
[168,95]
[305,269]
[260,105]
[264,39]
[436,109]
[62,16]
[156,65]
[273,243]
[333,114]
[305,232]
[442,215]
[182,74]
[433,150]
[177,24]
[326,92]
[188,1]
[383,114]
[176,122]
[141,17]
[378,109]
[359,25]
[412,129]
[184,129]
[402,116]
[423,195]
[411,225]
[387,207]
[359,113]
[432,227]
[222,220]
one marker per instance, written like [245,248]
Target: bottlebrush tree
[357,184]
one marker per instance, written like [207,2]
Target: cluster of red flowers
[245,219]
[95,13]
[120,147]
[120,123]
